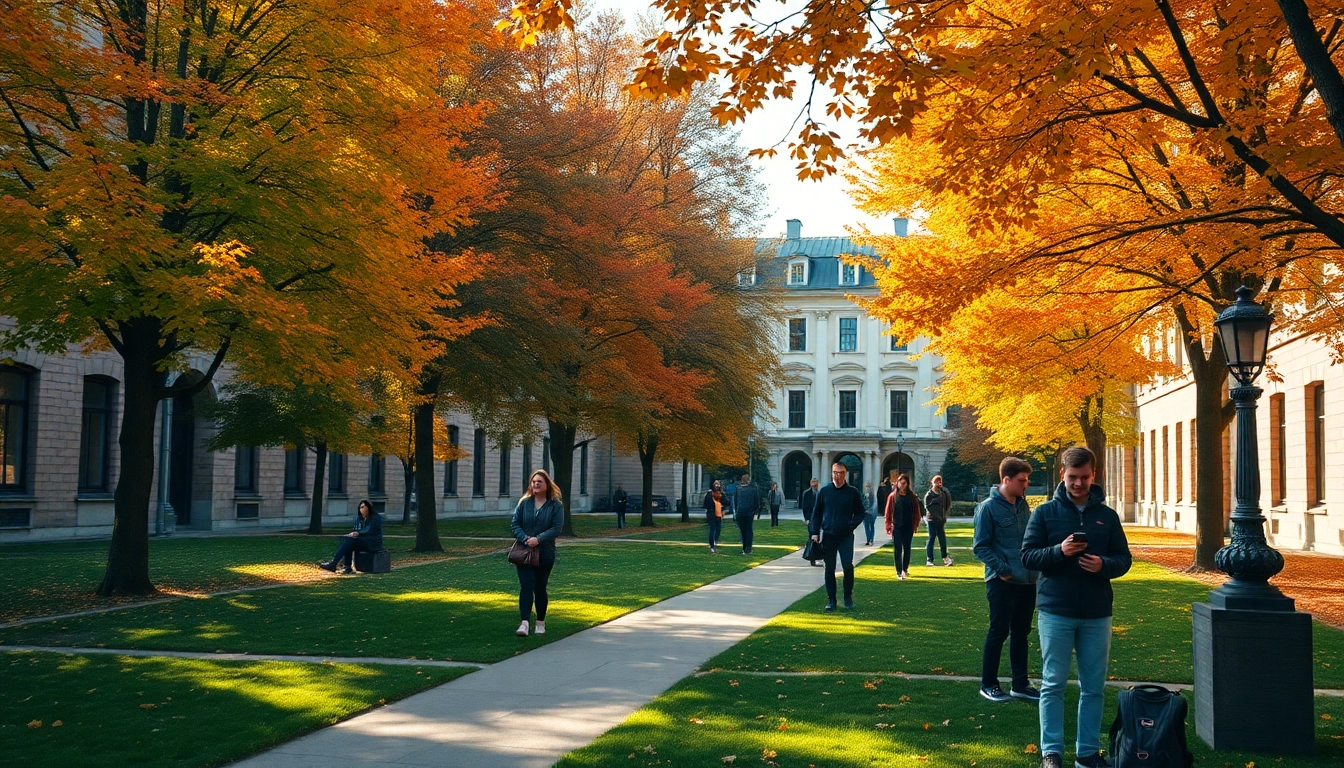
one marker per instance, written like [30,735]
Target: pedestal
[1253,681]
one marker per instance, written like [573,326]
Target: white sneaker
[946,561]
[928,562]
[541,628]
[901,576]
[522,630]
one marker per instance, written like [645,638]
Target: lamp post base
[1253,679]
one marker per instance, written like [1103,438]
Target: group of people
[745,503]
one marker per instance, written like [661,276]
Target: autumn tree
[234,178]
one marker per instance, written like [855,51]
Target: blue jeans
[347,547]
[1061,638]
[939,531]
[869,526]
[715,525]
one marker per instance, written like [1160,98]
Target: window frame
[1319,442]
[505,447]
[789,409]
[107,413]
[378,473]
[295,460]
[338,465]
[840,409]
[904,395]
[789,272]
[840,334]
[798,334]
[478,464]
[857,274]
[450,467]
[246,456]
[583,469]
[746,278]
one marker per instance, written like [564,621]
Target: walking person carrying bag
[537,521]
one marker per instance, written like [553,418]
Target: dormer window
[746,277]
[849,274]
[798,272]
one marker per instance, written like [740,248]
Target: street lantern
[1243,331]
[1248,637]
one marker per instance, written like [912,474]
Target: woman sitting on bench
[367,537]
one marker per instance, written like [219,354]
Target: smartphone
[1080,536]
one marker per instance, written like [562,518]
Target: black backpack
[1149,729]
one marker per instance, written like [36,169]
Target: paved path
[531,709]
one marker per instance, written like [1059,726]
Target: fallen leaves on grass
[35,724]
[697,721]
[729,758]
[1031,749]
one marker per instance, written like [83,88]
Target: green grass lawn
[117,710]
[586,526]
[462,610]
[935,623]
[828,720]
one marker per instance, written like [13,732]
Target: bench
[373,562]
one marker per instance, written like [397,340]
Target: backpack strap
[1122,702]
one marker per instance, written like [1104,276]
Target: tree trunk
[128,556]
[648,448]
[562,462]
[1211,505]
[319,478]
[426,508]
[685,502]
[1094,434]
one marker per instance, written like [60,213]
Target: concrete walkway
[531,709]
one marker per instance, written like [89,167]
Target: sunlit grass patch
[65,710]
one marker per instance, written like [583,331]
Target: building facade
[1300,431]
[852,392]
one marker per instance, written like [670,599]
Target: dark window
[450,470]
[1279,430]
[849,406]
[1194,463]
[1166,466]
[13,428]
[248,511]
[546,454]
[583,469]
[1318,439]
[527,463]
[900,410]
[797,334]
[478,464]
[95,433]
[898,346]
[16,518]
[504,461]
[294,461]
[1180,463]
[245,469]
[377,474]
[849,334]
[953,416]
[336,463]
[797,408]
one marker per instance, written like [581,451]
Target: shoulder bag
[521,554]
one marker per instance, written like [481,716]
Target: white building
[852,393]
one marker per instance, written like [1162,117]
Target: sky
[824,207]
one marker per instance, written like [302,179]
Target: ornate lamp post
[1252,650]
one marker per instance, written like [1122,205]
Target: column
[870,469]
[821,385]
[821,469]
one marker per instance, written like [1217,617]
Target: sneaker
[947,561]
[1026,694]
[328,566]
[346,571]
[1051,760]
[849,603]
[1094,760]
[994,693]
[929,563]
[901,575]
[522,630]
[712,550]
[830,608]
[541,628]
[815,564]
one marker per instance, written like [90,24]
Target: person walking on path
[746,505]
[1000,522]
[869,514]
[714,514]
[366,537]
[1077,544]
[838,512]
[537,521]
[902,517]
[808,501]
[619,500]
[776,500]
[937,506]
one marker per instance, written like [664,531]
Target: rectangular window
[1180,455]
[900,410]
[336,464]
[583,470]
[294,470]
[504,461]
[546,454]
[527,462]
[899,346]
[797,273]
[1194,463]
[1166,464]
[1316,438]
[1278,454]
[13,428]
[797,409]
[95,433]
[478,464]
[249,511]
[1152,464]
[450,469]
[1143,439]
[746,277]
[849,334]
[953,416]
[849,274]
[849,408]
[797,334]
[244,469]
[377,474]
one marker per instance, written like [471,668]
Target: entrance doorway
[182,460]
[855,466]
[797,474]
[901,462]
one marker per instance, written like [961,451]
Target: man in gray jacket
[937,506]
[1000,523]
[746,504]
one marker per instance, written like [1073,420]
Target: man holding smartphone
[1077,544]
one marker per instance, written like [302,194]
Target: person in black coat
[807,501]
[714,505]
[537,522]
[838,512]
[619,500]
[366,537]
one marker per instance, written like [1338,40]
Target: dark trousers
[532,588]
[901,538]
[939,530]
[620,517]
[715,526]
[833,544]
[774,516]
[348,546]
[745,526]
[1010,609]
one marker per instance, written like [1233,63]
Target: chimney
[795,229]
[902,227]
